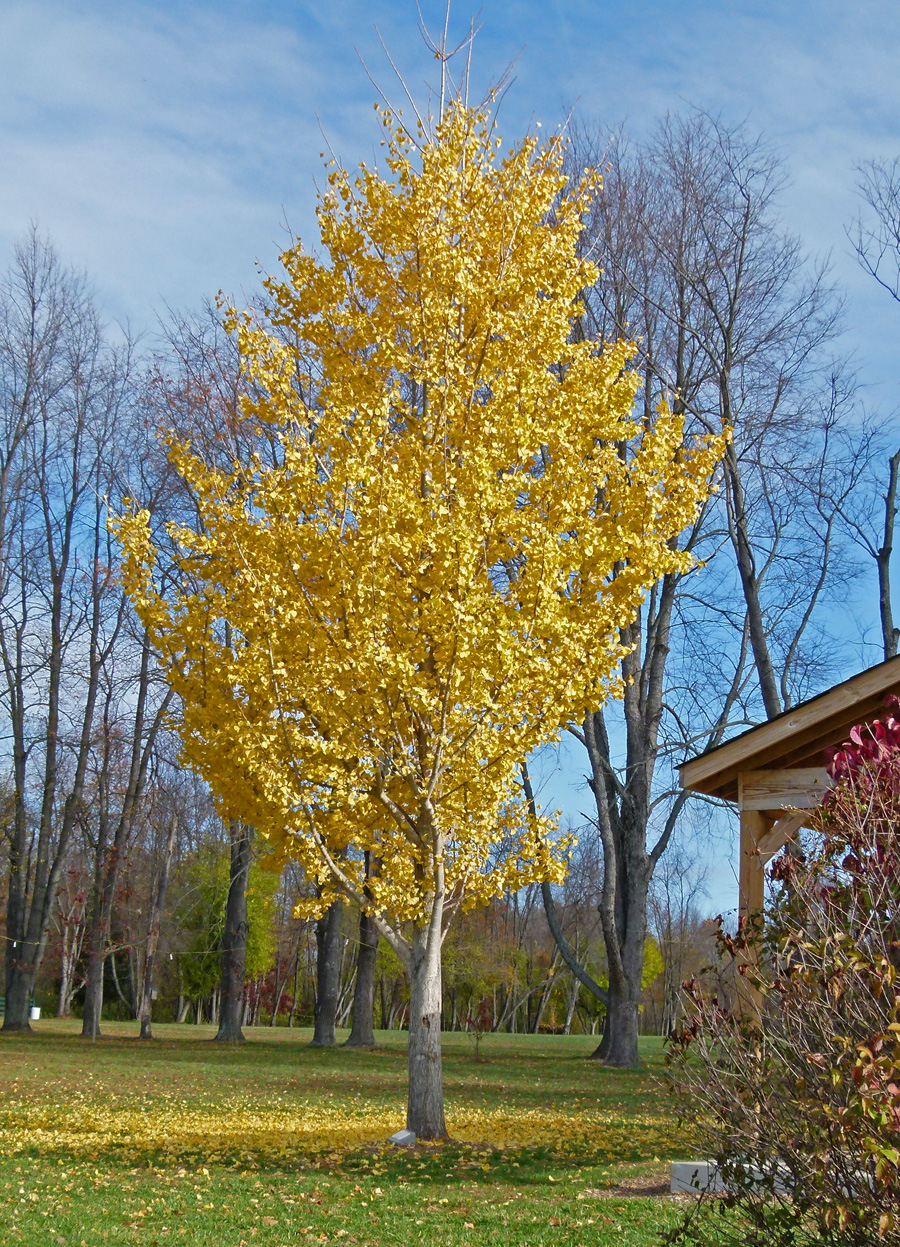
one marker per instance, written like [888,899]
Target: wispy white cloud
[159,142]
[159,151]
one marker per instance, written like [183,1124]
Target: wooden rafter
[776,772]
[799,737]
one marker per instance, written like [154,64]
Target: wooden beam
[808,747]
[797,788]
[800,732]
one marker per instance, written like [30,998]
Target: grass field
[272,1143]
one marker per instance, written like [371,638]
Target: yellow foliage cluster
[428,578]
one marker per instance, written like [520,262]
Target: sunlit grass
[273,1142]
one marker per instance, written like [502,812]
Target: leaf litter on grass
[94,1125]
[137,1128]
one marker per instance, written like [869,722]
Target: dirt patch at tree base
[652,1187]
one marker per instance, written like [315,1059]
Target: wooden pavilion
[775,772]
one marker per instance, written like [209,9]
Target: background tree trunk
[234,935]
[145,1006]
[362,1033]
[328,975]
[109,860]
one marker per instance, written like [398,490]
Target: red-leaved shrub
[800,1105]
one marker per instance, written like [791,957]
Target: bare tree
[870,516]
[164,819]
[198,390]
[734,327]
[130,722]
[875,237]
[63,396]
[675,896]
[71,896]
[875,233]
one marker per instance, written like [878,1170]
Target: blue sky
[163,146]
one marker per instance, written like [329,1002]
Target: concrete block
[693,1176]
[403,1138]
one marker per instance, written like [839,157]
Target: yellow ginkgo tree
[379,621]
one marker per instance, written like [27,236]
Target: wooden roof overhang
[776,772]
[798,738]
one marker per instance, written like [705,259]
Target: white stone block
[403,1138]
[693,1176]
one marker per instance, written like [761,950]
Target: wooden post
[752,895]
[752,869]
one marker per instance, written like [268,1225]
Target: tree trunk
[556,931]
[72,932]
[362,1034]
[535,1027]
[145,1007]
[619,1045]
[599,1053]
[126,1001]
[889,633]
[234,936]
[746,566]
[293,1011]
[346,983]
[93,993]
[425,1108]
[66,975]
[574,993]
[109,859]
[19,991]
[97,937]
[281,983]
[328,975]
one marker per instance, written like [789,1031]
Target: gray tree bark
[362,1033]
[234,936]
[890,635]
[328,975]
[425,1106]
[157,905]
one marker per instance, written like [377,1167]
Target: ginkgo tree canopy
[377,623]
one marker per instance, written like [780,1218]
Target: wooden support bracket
[785,794]
[782,830]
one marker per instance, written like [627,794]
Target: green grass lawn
[272,1143]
